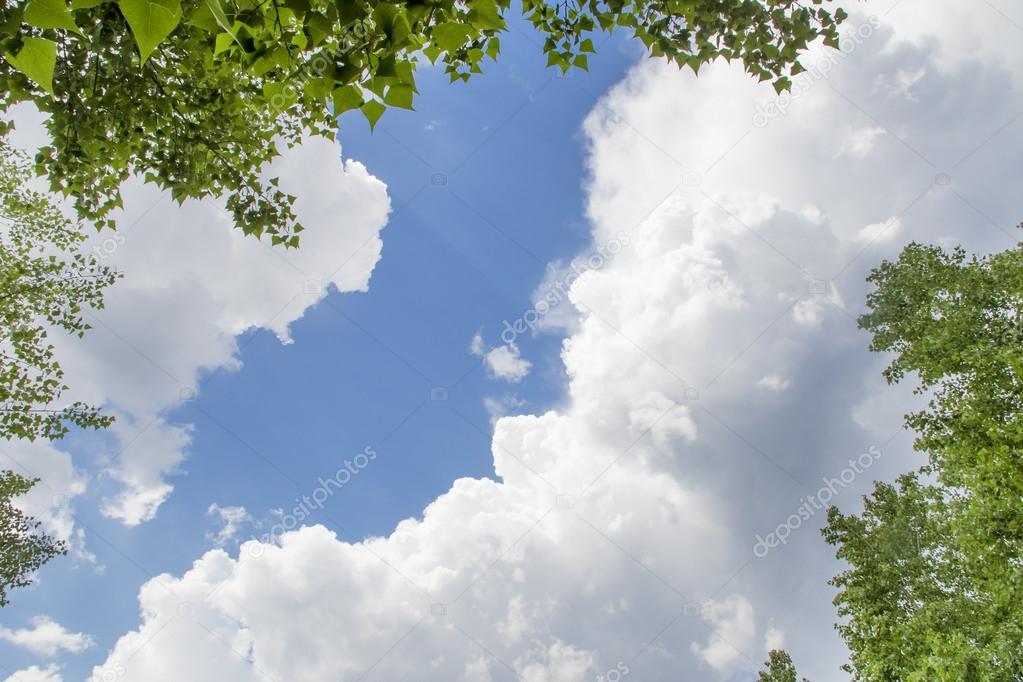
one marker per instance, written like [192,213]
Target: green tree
[934,588]
[778,668]
[195,95]
[44,282]
[23,548]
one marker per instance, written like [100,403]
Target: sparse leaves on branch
[45,282]
[195,95]
[23,547]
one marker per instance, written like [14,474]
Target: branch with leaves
[24,548]
[195,95]
[45,284]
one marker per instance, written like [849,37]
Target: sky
[555,389]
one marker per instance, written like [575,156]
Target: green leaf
[432,51]
[493,48]
[86,4]
[485,14]
[393,23]
[450,35]
[279,95]
[50,14]
[373,110]
[347,97]
[223,42]
[217,10]
[37,60]
[151,21]
[399,95]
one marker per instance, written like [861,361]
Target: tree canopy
[195,95]
[934,588]
[778,668]
[23,548]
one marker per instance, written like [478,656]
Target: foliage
[195,95]
[43,281]
[935,585]
[778,668]
[23,548]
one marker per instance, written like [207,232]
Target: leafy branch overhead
[195,95]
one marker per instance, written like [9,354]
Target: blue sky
[362,367]
[601,511]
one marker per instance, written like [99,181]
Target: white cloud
[502,362]
[860,142]
[733,631]
[886,230]
[773,638]
[640,496]
[231,519]
[46,638]
[502,407]
[50,673]
[773,382]
[809,310]
[559,662]
[192,283]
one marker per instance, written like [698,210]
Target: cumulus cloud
[34,673]
[643,494]
[46,638]
[733,631]
[502,362]
[192,283]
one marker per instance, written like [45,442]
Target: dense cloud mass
[663,524]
